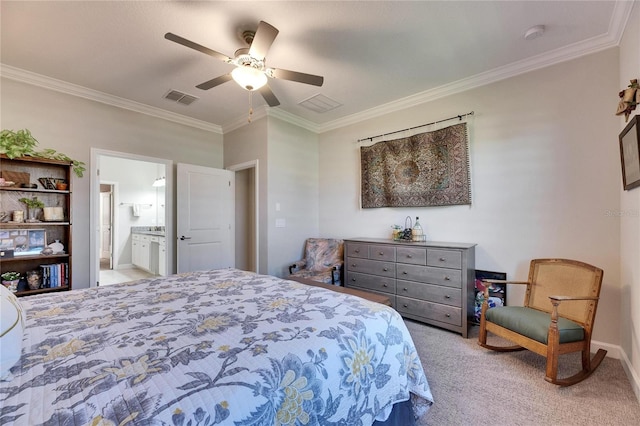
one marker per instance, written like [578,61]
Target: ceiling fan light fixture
[249,78]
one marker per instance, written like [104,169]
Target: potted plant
[10,280]
[32,205]
[21,143]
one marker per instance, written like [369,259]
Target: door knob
[185,238]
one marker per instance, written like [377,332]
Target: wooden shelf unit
[54,230]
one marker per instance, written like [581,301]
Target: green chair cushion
[533,323]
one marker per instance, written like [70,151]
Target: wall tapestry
[427,169]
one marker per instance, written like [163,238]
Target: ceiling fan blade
[214,82]
[196,46]
[262,40]
[268,96]
[300,77]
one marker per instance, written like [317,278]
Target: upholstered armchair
[323,260]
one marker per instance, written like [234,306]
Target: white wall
[293,186]
[629,218]
[249,143]
[74,125]
[545,171]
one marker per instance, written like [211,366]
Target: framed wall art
[630,154]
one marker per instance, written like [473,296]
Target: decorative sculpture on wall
[629,98]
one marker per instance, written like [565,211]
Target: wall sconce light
[160,182]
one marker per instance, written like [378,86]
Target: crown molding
[39,80]
[619,18]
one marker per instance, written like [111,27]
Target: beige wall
[629,219]
[74,125]
[545,171]
[249,143]
[293,186]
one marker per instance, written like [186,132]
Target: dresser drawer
[444,258]
[387,253]
[432,311]
[426,274]
[371,282]
[372,267]
[357,250]
[414,256]
[431,293]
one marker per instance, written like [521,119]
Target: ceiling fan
[251,71]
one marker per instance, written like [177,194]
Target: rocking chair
[557,316]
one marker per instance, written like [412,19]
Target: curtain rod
[459,117]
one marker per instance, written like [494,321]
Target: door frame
[253,164]
[94,209]
[114,219]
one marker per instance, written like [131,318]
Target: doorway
[106,225]
[135,203]
[246,207]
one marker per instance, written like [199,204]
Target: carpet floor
[472,385]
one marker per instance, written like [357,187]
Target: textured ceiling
[372,55]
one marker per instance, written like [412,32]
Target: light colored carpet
[475,386]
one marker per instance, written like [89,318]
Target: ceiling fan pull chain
[250,107]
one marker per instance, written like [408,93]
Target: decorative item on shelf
[395,234]
[417,233]
[18,216]
[17,178]
[53,214]
[57,247]
[33,204]
[11,280]
[34,279]
[21,143]
[405,234]
[61,186]
[47,251]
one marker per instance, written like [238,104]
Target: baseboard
[616,352]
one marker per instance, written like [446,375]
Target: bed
[212,347]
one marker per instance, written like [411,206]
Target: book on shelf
[55,275]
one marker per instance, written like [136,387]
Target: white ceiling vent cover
[179,97]
[320,103]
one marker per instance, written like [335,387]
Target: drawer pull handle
[447,297]
[357,251]
[385,269]
[447,279]
[442,259]
[405,289]
[404,272]
[384,285]
[409,256]
[448,315]
[353,264]
[353,279]
[404,305]
[381,253]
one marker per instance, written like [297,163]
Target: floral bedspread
[206,348]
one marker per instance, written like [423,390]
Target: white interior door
[205,218]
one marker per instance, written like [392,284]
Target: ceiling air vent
[179,97]
[320,103]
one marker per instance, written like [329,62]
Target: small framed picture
[630,154]
[497,292]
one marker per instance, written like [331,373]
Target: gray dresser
[431,282]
